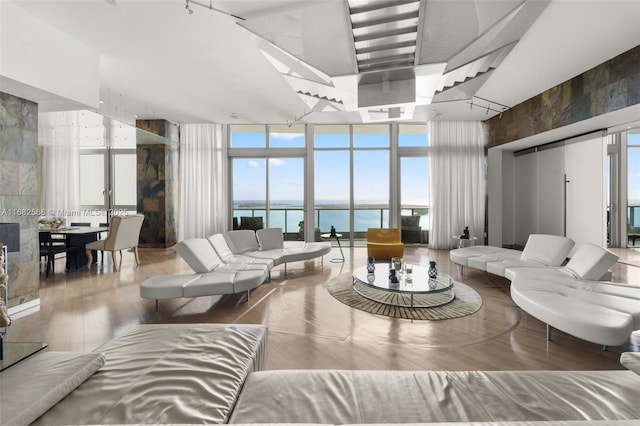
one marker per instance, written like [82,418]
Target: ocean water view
[287,214]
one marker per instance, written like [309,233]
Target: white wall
[525,197]
[527,192]
[551,191]
[586,192]
[500,200]
[494,196]
[36,55]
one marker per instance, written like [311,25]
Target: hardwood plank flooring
[308,328]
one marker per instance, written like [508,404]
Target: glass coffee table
[415,290]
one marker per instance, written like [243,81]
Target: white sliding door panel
[586,192]
[551,191]
[525,197]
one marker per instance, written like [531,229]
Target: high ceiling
[332,61]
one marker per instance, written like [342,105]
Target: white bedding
[32,386]
[341,396]
[163,374]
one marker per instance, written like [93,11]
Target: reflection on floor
[308,328]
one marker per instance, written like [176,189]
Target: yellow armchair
[384,243]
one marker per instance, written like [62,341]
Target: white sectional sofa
[169,374]
[230,263]
[574,298]
[540,250]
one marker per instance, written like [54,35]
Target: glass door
[108,184]
[414,199]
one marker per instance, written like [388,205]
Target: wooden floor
[308,328]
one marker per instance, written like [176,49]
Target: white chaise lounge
[574,298]
[268,244]
[236,262]
[539,251]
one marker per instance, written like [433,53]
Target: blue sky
[371,169]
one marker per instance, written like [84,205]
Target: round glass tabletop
[413,289]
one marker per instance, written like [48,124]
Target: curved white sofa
[540,250]
[574,298]
[235,262]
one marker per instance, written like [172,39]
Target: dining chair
[102,225]
[124,233]
[49,248]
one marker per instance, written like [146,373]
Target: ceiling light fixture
[489,105]
[186,6]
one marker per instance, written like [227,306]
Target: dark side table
[338,236]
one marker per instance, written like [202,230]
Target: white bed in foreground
[210,374]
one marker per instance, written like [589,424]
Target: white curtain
[204,208]
[58,133]
[456,181]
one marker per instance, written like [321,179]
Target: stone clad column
[157,147]
[20,186]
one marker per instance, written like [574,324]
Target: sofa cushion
[31,387]
[166,374]
[295,250]
[501,267]
[270,238]
[166,286]
[573,311]
[221,247]
[242,241]
[210,284]
[247,280]
[631,360]
[480,262]
[550,250]
[198,253]
[462,255]
[591,262]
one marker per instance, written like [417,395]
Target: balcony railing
[289,219]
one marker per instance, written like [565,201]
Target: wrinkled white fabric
[204,205]
[166,373]
[456,180]
[341,396]
[34,385]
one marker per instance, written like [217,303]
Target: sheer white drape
[58,133]
[456,180]
[204,190]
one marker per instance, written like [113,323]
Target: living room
[547,135]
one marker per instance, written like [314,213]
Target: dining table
[77,236]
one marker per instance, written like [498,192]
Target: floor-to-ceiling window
[414,184]
[351,174]
[332,178]
[360,176]
[267,167]
[371,165]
